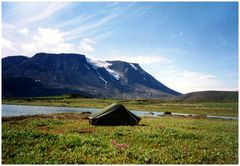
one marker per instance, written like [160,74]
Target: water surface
[17,110]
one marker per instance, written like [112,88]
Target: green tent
[113,115]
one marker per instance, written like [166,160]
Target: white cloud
[86,45]
[46,40]
[190,81]
[81,19]
[49,36]
[141,59]
[92,27]
[28,48]
[42,13]
[103,35]
[8,47]
[94,24]
[65,48]
[7,44]
[24,31]
[53,41]
[8,27]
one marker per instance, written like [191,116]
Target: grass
[68,138]
[206,108]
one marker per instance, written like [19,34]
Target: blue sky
[187,46]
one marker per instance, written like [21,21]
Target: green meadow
[68,138]
[205,108]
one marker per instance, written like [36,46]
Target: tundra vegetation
[67,138]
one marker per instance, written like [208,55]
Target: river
[17,110]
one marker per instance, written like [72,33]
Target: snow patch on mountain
[103,64]
[105,82]
[86,67]
[133,66]
[98,63]
[115,74]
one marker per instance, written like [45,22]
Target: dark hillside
[57,74]
[210,96]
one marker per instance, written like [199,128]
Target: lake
[17,110]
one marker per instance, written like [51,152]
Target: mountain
[55,74]
[210,96]
[11,61]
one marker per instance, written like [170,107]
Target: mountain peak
[68,72]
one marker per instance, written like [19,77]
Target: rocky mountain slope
[55,74]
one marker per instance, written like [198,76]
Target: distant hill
[210,96]
[57,74]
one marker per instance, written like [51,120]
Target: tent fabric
[115,114]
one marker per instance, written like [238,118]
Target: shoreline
[84,115]
[199,108]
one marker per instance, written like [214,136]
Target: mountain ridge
[208,96]
[77,73]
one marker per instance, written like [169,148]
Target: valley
[110,82]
